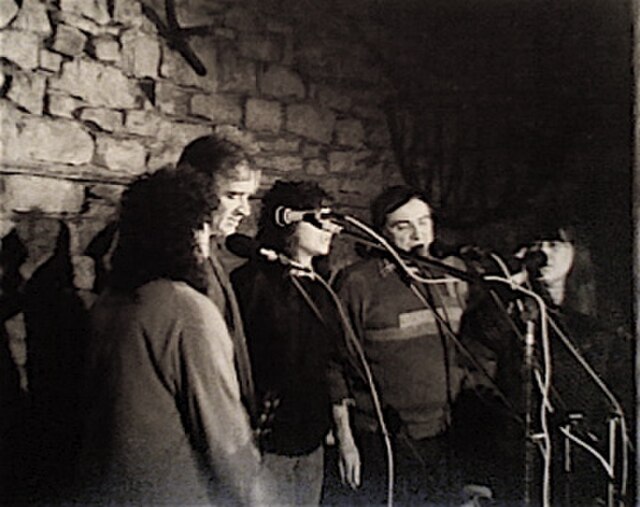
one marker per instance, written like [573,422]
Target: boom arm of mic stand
[418,259]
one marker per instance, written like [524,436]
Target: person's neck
[303,259]
[556,291]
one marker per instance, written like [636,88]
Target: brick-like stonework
[93,96]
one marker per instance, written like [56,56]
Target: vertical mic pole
[529,459]
[613,428]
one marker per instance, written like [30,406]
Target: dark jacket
[294,354]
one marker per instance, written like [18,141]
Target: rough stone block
[346,161]
[128,12]
[171,99]
[310,150]
[8,11]
[333,99]
[176,68]
[281,82]
[27,193]
[225,33]
[311,122]
[68,40]
[181,133]
[196,12]
[54,141]
[121,154]
[83,272]
[263,115]
[95,10]
[6,224]
[141,54]
[86,25]
[277,26]
[96,83]
[316,167]
[107,119]
[279,145]
[219,108]
[379,135]
[349,133]
[284,163]
[106,49]
[236,74]
[10,118]
[264,49]
[161,155]
[22,48]
[50,61]
[242,18]
[33,18]
[368,112]
[27,90]
[144,123]
[170,139]
[63,105]
[111,194]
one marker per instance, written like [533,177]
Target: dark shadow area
[56,324]
[12,396]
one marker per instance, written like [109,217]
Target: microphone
[284,216]
[248,248]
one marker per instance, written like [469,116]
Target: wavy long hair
[160,214]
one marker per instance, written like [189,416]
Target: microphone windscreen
[439,249]
[242,245]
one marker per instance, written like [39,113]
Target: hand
[349,464]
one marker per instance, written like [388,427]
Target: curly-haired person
[164,422]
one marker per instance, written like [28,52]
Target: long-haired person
[294,336]
[164,421]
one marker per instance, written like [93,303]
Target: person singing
[412,358]
[294,338]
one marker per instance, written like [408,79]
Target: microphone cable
[545,382]
[619,411]
[448,331]
[350,335]
[617,406]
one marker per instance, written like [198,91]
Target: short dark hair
[390,200]
[214,155]
[296,195]
[159,214]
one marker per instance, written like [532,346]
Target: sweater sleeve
[210,401]
[352,297]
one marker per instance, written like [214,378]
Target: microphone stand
[530,446]
[418,259]
[477,279]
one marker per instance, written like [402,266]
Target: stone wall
[92,95]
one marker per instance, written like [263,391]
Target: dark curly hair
[159,215]
[296,195]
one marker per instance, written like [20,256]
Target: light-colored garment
[297,480]
[164,422]
[221,292]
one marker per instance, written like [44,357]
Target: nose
[244,208]
[417,234]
